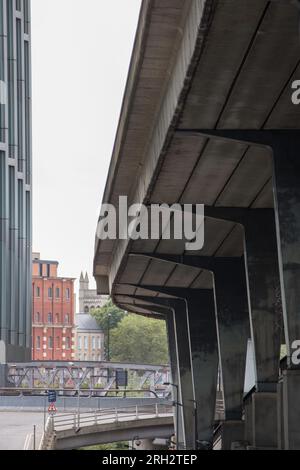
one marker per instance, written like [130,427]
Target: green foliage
[133,338]
[141,340]
[106,447]
[108,316]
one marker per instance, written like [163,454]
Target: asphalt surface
[14,428]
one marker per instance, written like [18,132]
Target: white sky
[80,56]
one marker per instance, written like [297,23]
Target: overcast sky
[80,57]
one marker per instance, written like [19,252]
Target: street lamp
[177,410]
[108,345]
[108,338]
[195,423]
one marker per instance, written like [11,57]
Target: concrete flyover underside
[207,118]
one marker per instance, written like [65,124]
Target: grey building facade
[89,300]
[15,181]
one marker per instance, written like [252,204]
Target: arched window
[50,318]
[86,310]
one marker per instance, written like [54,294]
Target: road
[14,428]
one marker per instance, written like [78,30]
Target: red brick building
[53,307]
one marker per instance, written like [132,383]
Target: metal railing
[113,415]
[83,392]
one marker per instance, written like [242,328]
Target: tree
[141,340]
[108,317]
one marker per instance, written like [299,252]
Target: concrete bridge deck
[73,431]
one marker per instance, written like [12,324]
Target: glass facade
[15,181]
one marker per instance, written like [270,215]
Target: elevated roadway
[208,118]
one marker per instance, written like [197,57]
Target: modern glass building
[15,181]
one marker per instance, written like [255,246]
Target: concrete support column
[185,372]
[265,305]
[178,422]
[287,191]
[233,332]
[204,347]
[233,336]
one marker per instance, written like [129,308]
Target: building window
[99,343]
[41,270]
[57,293]
[99,357]
[68,342]
[67,319]
[86,343]
[48,270]
[57,318]
[38,292]
[68,294]
[86,310]
[50,318]
[79,343]
[50,342]
[50,292]
[93,343]
[38,342]
[58,342]
[93,357]
[37,317]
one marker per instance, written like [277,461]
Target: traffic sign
[121,378]
[52,396]
[52,409]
